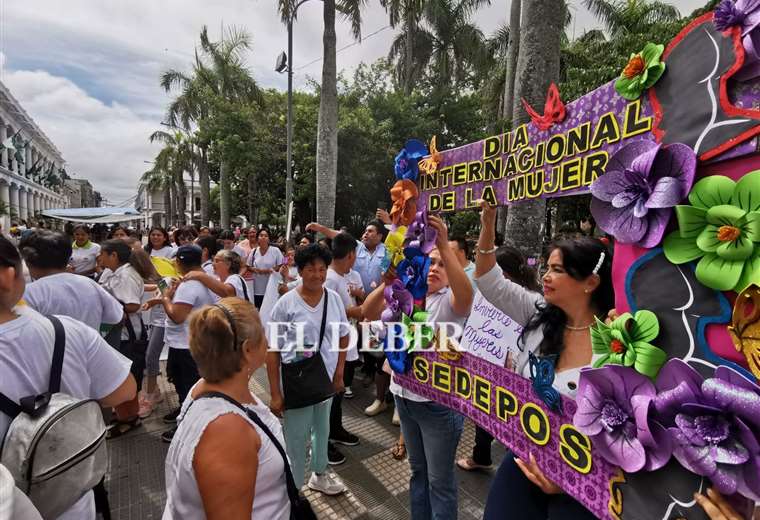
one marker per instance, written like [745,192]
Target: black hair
[310,254]
[513,264]
[9,255]
[325,242]
[167,242]
[579,258]
[210,243]
[264,228]
[308,236]
[342,245]
[46,249]
[82,227]
[120,247]
[117,228]
[463,245]
[186,232]
[226,235]
[380,228]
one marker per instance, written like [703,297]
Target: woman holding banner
[577,289]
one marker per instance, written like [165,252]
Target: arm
[225,463]
[273,375]
[338,377]
[486,241]
[374,304]
[177,312]
[219,287]
[461,288]
[319,228]
[126,391]
[355,312]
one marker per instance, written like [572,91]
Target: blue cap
[189,254]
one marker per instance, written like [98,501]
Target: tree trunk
[203,180]
[251,196]
[537,67]
[172,188]
[167,206]
[513,49]
[327,126]
[224,197]
[409,26]
[181,199]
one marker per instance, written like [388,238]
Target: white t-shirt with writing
[75,296]
[272,259]
[339,283]
[195,294]
[91,370]
[291,311]
[83,258]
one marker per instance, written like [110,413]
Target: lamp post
[285,63]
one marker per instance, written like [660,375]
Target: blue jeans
[431,433]
[513,496]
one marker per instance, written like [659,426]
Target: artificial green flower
[721,228]
[418,321]
[625,342]
[642,71]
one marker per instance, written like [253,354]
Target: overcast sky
[87,71]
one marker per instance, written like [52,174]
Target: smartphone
[163,285]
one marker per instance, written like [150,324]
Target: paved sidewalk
[378,485]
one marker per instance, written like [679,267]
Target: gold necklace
[568,327]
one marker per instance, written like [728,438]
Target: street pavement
[378,485]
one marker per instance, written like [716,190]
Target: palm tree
[159,178]
[631,16]
[177,157]
[408,13]
[219,71]
[448,42]
[537,66]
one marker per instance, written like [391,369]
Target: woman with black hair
[159,243]
[263,261]
[577,289]
[84,252]
[515,268]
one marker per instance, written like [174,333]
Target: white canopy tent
[94,215]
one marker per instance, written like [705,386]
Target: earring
[586,291]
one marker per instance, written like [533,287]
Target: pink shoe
[146,408]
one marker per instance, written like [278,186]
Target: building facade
[79,194]
[22,197]
[152,205]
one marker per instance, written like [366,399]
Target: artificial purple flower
[398,301]
[714,425]
[746,15]
[420,236]
[613,409]
[634,198]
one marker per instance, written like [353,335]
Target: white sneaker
[326,483]
[375,408]
[395,421]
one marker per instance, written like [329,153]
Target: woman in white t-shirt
[298,317]
[84,252]
[91,368]
[159,243]
[221,464]
[262,262]
[227,281]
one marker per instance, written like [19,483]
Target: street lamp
[285,64]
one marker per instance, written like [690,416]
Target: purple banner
[504,403]
[529,163]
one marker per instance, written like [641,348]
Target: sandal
[468,464]
[120,428]
[399,451]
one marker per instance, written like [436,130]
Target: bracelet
[487,251]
